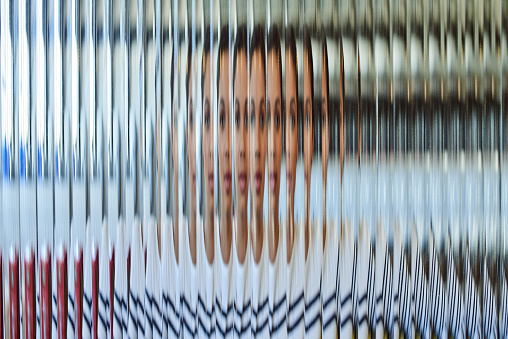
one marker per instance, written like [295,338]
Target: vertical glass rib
[166,98]
[87,88]
[78,126]
[134,194]
[367,115]
[43,117]
[26,125]
[400,61]
[103,114]
[150,48]
[350,200]
[117,130]
[62,120]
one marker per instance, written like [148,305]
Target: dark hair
[206,51]
[273,45]
[240,46]
[308,48]
[291,48]
[257,43]
[223,48]
[325,65]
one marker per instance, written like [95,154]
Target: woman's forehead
[257,67]
[224,83]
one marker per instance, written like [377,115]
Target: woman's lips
[210,182]
[227,182]
[273,181]
[257,180]
[242,181]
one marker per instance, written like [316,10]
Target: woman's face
[223,131]
[191,142]
[274,123]
[308,131]
[291,124]
[241,130]
[324,119]
[257,128]
[207,141]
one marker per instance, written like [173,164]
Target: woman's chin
[242,199]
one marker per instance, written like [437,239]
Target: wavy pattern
[472,302]
[490,324]
[503,311]
[380,297]
[438,300]
[457,316]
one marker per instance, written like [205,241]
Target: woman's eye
[268,117]
[262,120]
[222,120]
[252,119]
[191,119]
[293,120]
[207,120]
[246,120]
[277,120]
[307,119]
[237,119]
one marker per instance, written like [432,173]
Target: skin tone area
[308,141]
[207,147]
[324,140]
[224,148]
[291,147]
[241,142]
[274,124]
[174,152]
[191,153]
[258,149]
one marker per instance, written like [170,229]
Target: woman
[169,238]
[241,137]
[313,240]
[295,254]
[226,290]
[191,157]
[206,291]
[188,272]
[276,239]
[257,111]
[330,237]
